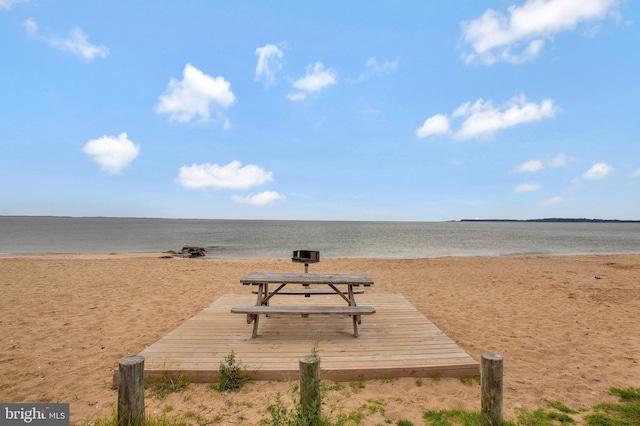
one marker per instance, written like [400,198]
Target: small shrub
[233,374]
[279,414]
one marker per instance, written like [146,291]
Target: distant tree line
[554,219]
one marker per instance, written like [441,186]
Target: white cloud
[260,199]
[521,35]
[192,96]
[528,54]
[434,125]
[552,201]
[537,165]
[77,43]
[233,176]
[7,4]
[374,68]
[31,26]
[598,171]
[112,153]
[482,119]
[317,78]
[268,63]
[529,166]
[558,161]
[528,187]
[295,97]
[635,174]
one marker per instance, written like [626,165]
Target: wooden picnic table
[333,282]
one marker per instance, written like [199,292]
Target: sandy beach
[566,326]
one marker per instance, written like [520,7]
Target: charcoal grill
[306,257]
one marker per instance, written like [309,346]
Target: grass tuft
[451,417]
[625,412]
[471,380]
[167,384]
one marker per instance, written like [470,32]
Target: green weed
[357,385]
[561,407]
[471,380]
[233,374]
[166,385]
[451,417]
[541,417]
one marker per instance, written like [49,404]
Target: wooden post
[131,391]
[310,398]
[491,386]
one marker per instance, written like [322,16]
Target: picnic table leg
[352,299]
[252,317]
[254,333]
[356,318]
[355,326]
[260,297]
[263,289]
[265,300]
[352,302]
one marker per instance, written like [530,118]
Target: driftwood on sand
[188,251]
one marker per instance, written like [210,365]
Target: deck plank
[397,341]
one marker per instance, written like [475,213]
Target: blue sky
[365,110]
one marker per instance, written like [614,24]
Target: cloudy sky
[366,110]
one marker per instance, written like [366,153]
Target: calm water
[277,239]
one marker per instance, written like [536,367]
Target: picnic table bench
[332,281]
[308,291]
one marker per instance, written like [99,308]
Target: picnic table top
[289,278]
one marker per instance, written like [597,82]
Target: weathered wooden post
[310,398]
[491,386]
[131,391]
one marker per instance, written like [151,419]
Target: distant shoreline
[553,219]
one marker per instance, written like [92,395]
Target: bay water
[334,239]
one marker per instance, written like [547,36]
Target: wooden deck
[397,341]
